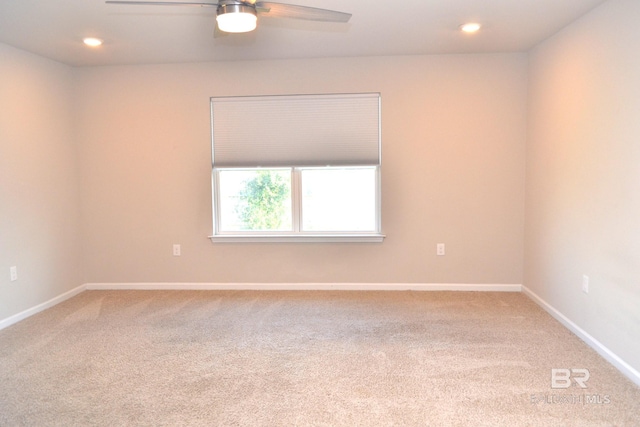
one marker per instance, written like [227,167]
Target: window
[296,168]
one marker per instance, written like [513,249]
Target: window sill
[299,238]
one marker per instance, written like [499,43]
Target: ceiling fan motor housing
[235,7]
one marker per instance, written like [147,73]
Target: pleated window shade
[296,130]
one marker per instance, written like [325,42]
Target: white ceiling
[164,34]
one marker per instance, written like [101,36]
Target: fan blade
[281,10]
[162,3]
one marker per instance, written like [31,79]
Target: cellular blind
[296,130]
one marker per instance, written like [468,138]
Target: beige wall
[583,175]
[454,132]
[39,194]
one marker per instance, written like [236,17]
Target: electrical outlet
[176,250]
[585,284]
[13,273]
[440,249]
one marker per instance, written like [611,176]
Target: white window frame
[296,235]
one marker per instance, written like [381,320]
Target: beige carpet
[116,358]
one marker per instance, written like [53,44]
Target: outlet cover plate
[585,284]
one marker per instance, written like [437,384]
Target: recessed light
[471,27]
[92,41]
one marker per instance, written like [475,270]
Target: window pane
[339,199]
[255,200]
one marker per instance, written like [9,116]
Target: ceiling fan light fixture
[236,18]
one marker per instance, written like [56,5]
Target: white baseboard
[40,307]
[626,369]
[308,286]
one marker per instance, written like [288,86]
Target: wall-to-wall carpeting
[303,358]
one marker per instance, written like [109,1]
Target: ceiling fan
[240,16]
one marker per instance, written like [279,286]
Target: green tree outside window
[264,198]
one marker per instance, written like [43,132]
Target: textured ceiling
[163,34]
